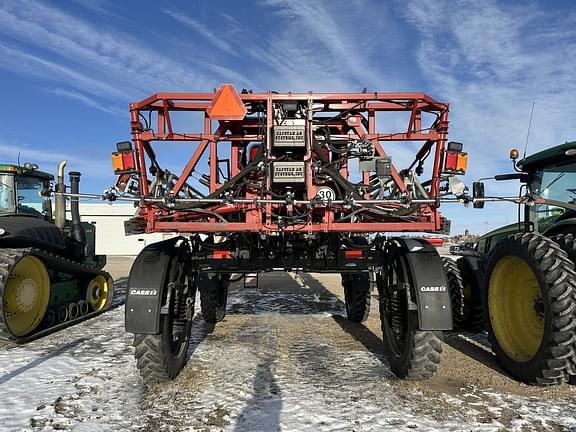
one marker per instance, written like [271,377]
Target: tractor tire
[413,354]
[531,305]
[567,244]
[465,285]
[213,301]
[357,296]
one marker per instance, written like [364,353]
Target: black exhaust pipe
[76,230]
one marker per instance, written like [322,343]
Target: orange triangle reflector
[227,104]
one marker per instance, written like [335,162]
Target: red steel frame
[238,132]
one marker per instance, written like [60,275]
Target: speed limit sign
[325,194]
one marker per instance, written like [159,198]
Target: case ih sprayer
[294,181]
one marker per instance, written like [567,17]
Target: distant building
[110,238]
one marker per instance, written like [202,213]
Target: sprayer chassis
[283,195]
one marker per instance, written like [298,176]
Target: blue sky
[68,70]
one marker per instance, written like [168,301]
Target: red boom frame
[256,210]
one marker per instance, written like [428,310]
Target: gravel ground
[284,359]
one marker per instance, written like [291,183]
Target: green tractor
[519,283]
[50,277]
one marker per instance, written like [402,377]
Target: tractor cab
[549,177]
[22,191]
[552,177]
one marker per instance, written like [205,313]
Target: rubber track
[426,355]
[357,297]
[559,275]
[10,257]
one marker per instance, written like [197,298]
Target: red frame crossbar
[239,132]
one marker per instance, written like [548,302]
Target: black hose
[346,185]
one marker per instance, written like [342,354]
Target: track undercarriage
[44,292]
[291,182]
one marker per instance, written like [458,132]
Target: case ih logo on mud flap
[440,288]
[143,292]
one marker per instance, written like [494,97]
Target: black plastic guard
[430,285]
[147,287]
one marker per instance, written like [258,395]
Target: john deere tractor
[49,275]
[519,284]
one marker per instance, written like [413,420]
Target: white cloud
[29,65]
[312,51]
[48,159]
[214,39]
[108,54]
[82,98]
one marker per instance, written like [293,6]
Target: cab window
[556,183]
[7,204]
[29,198]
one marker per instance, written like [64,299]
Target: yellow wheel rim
[26,296]
[516,308]
[97,294]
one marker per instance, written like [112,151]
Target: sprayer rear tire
[213,301]
[160,357]
[413,354]
[531,306]
[418,355]
[357,296]
[157,361]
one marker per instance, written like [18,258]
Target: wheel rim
[26,296]
[97,293]
[516,308]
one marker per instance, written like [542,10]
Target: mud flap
[147,287]
[431,293]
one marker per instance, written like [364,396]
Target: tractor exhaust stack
[60,206]
[76,230]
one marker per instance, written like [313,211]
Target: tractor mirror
[523,177]
[478,192]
